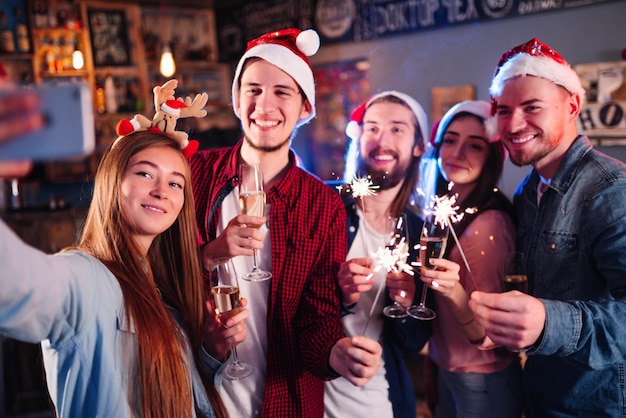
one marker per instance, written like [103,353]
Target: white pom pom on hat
[308,41]
[354,128]
[287,49]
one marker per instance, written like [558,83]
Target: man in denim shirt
[571,210]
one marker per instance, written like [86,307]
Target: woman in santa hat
[466,160]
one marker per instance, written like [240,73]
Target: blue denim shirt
[575,243]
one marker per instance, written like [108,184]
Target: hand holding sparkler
[354,278]
[392,257]
[438,224]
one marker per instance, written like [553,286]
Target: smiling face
[152,192]
[463,151]
[270,104]
[388,144]
[534,119]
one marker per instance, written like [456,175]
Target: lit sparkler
[391,260]
[362,187]
[445,210]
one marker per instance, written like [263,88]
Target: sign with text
[603,116]
[362,20]
[603,121]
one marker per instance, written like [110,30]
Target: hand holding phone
[68,130]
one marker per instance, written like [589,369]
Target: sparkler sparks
[444,208]
[393,259]
[362,187]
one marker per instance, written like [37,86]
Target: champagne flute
[252,202]
[515,273]
[226,298]
[433,241]
[515,279]
[396,237]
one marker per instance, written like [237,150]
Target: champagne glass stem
[256,260]
[423,299]
[236,363]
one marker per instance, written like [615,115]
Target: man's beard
[522,158]
[381,178]
[266,149]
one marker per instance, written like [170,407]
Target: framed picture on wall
[340,87]
[109,37]
[443,98]
[190,33]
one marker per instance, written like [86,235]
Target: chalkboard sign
[340,21]
[109,37]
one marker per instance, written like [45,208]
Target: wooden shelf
[52,54]
[16,57]
[64,73]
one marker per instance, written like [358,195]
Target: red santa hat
[354,128]
[172,107]
[537,59]
[287,49]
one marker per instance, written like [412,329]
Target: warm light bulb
[78,62]
[167,66]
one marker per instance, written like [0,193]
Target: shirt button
[352,228]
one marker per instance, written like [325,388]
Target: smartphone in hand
[68,131]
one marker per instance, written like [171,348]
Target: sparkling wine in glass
[252,202]
[515,273]
[433,241]
[396,236]
[226,298]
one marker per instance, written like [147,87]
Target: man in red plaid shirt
[295,339]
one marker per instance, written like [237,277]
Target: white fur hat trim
[539,66]
[354,128]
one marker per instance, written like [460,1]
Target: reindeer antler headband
[168,110]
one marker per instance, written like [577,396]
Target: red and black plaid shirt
[309,242]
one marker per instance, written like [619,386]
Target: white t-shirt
[244,397]
[341,398]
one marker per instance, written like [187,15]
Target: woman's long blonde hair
[160,378]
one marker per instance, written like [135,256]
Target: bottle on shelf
[7,44]
[21,32]
[110,95]
[100,102]
[40,13]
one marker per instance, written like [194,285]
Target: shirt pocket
[125,341]
[558,263]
